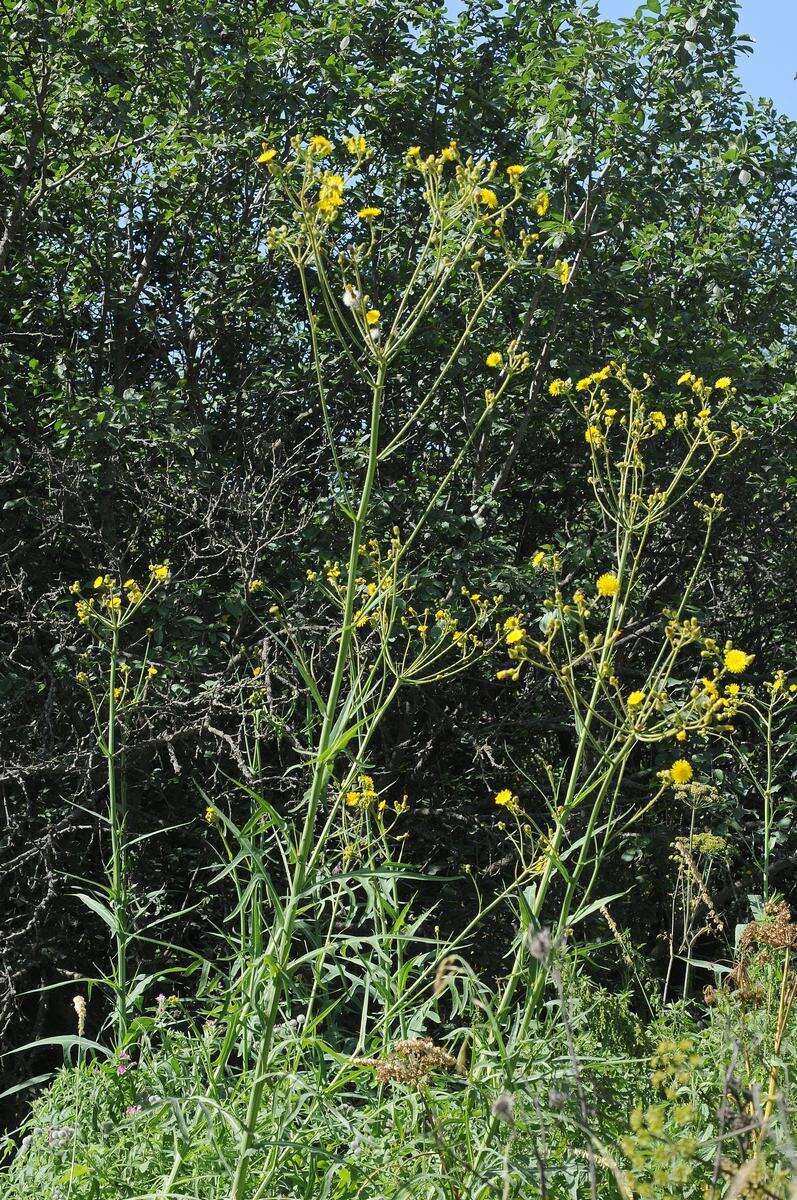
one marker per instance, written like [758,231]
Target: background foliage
[158,404]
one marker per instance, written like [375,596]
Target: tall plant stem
[322,770]
[116,819]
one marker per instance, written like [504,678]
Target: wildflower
[593,436]
[542,202]
[635,699]
[152,672]
[98,582]
[737,661]
[658,419]
[320,146]
[515,171]
[84,609]
[494,359]
[732,689]
[563,272]
[372,316]
[330,195]
[723,383]
[538,559]
[414,152]
[488,197]
[514,636]
[687,377]
[681,771]
[114,603]
[82,678]
[356,145]
[449,153]
[504,798]
[557,387]
[353,798]
[159,572]
[75,588]
[255,585]
[266,154]
[680,735]
[211,815]
[367,213]
[607,584]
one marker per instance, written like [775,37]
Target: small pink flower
[132,1109]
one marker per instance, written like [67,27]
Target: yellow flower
[152,672]
[538,558]
[494,359]
[515,635]
[330,194]
[352,799]
[75,588]
[449,153]
[320,146]
[504,798]
[593,436]
[723,383]
[134,595]
[266,154]
[488,197]
[114,602]
[658,419]
[255,585]
[98,582]
[542,203]
[414,152]
[211,815]
[732,689]
[687,377]
[159,571]
[635,699]
[515,171]
[681,771]
[365,214]
[737,661]
[563,272]
[607,584]
[356,145]
[557,387]
[680,735]
[372,316]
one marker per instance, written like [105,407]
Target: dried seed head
[504,1108]
[79,1005]
[538,942]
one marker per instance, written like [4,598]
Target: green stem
[322,772]
[116,819]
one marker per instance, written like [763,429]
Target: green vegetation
[397,620]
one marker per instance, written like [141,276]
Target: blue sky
[770,70]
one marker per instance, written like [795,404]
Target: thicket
[398,472]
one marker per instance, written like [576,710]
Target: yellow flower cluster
[330,195]
[542,203]
[589,381]
[364,795]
